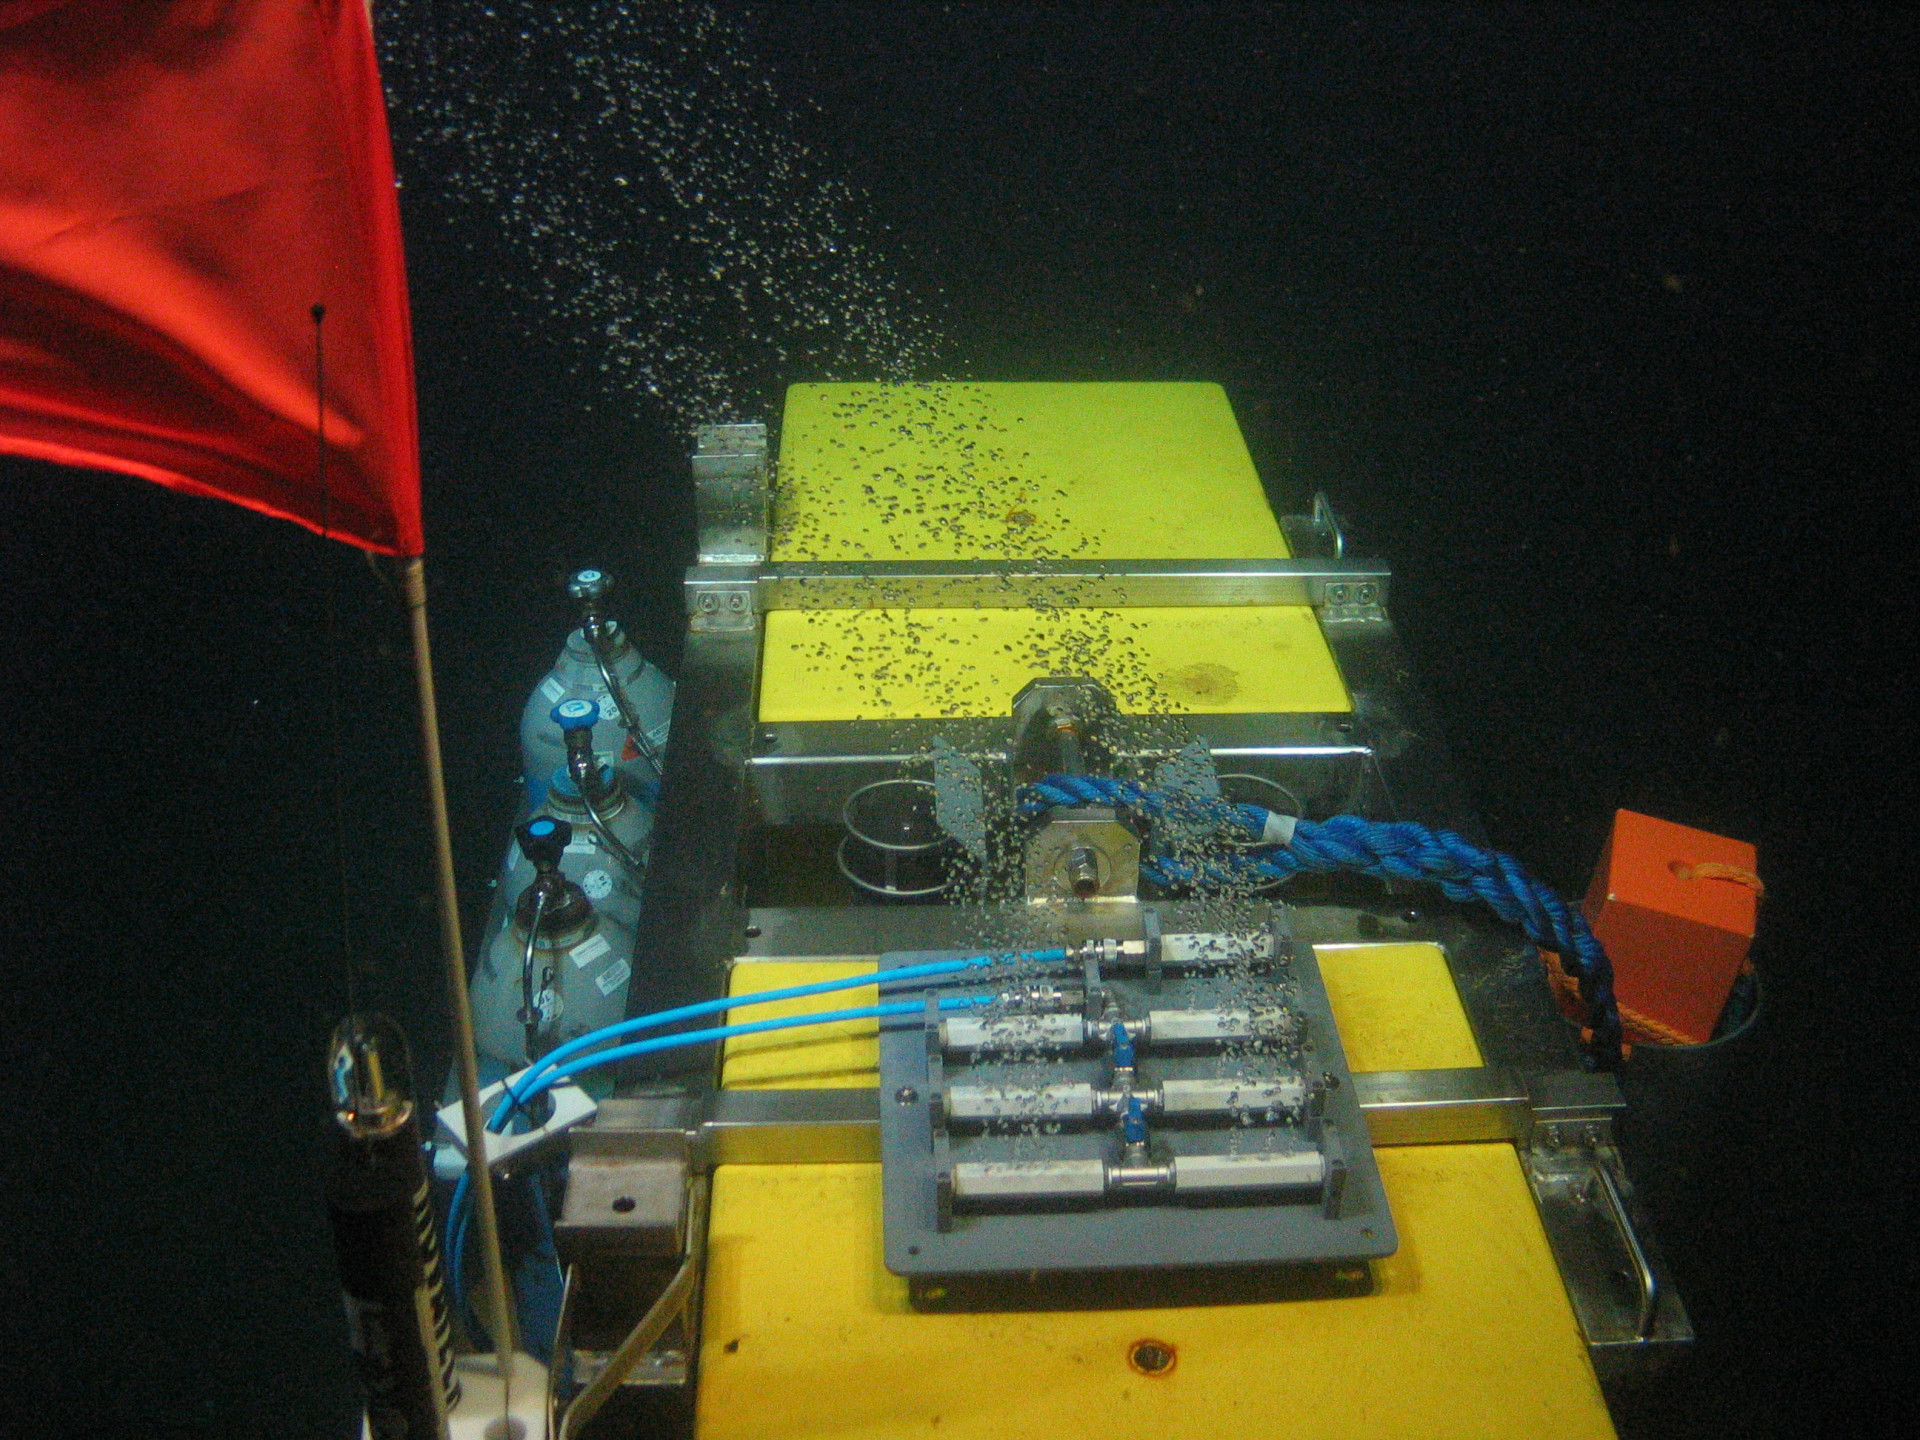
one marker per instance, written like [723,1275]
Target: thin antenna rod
[335,727]
[500,1322]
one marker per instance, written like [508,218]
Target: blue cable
[560,1054]
[456,1257]
[1388,850]
[728,1032]
[457,1207]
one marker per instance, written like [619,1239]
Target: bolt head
[906,1095]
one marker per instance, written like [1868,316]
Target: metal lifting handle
[1649,1287]
[530,1012]
[628,860]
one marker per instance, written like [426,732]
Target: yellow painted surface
[922,664]
[1467,1333]
[1039,471]
[1396,1007]
[838,1055]
[1028,471]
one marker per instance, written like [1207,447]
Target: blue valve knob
[575,715]
[1122,1048]
[543,840]
[1133,1129]
[589,586]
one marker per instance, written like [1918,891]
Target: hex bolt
[1083,871]
[906,1095]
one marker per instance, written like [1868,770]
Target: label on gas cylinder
[588,951]
[615,977]
[553,689]
[596,884]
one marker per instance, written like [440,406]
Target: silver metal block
[622,1206]
[1029,1179]
[1194,1174]
[1209,1096]
[1014,1033]
[1039,1103]
[1193,1027]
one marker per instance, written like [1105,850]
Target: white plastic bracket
[571,1105]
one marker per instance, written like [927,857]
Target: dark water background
[1595,322]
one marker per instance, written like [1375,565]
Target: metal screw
[736,601]
[1083,871]
[1366,594]
[1336,594]
[906,1095]
[1553,1137]
[709,601]
[1330,1080]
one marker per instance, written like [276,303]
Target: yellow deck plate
[838,1055]
[1028,471]
[924,664]
[1468,1331]
[1396,1007]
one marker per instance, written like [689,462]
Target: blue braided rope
[1073,790]
[1388,850]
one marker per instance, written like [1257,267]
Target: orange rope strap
[1638,1027]
[1714,870]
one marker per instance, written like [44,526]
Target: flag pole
[500,1320]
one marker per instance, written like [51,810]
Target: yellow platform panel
[1468,1331]
[840,1054]
[1038,471]
[1467,1334]
[1396,1007]
[1028,471]
[925,664]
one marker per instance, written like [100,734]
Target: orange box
[1677,938]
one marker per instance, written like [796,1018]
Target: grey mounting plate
[1114,1235]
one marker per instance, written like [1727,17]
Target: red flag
[181,183]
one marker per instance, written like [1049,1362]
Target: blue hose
[560,1054]
[457,1208]
[1388,850]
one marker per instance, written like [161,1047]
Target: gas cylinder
[610,865]
[599,663]
[572,978]
[384,1235]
